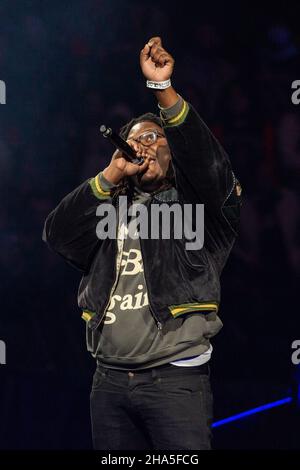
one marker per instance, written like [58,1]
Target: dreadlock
[127,186]
[124,131]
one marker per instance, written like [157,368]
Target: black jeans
[167,407]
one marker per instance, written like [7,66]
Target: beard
[155,175]
[148,183]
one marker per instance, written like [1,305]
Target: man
[151,303]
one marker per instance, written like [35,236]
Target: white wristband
[158,85]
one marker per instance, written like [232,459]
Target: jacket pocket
[194,260]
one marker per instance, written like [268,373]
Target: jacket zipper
[118,266]
[233,186]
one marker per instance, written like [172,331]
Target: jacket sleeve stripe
[87,315]
[97,188]
[179,118]
[178,310]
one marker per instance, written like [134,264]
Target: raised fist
[156,63]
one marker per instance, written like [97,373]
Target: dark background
[70,66]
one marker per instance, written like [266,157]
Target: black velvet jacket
[178,280]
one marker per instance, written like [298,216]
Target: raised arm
[202,168]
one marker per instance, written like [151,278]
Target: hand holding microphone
[127,160]
[121,144]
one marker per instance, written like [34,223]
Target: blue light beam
[258,409]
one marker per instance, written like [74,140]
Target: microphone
[121,144]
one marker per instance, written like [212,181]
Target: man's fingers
[151,48]
[159,55]
[143,166]
[145,53]
[162,58]
[133,168]
[154,40]
[156,50]
[117,154]
[120,163]
[140,150]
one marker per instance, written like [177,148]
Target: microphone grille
[106,131]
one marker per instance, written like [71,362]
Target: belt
[163,370]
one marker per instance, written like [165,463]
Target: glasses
[149,137]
